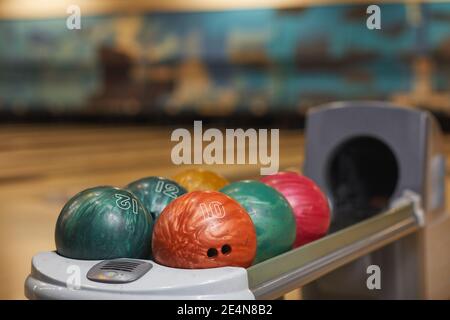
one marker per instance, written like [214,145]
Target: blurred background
[96,106]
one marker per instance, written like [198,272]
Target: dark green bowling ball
[156,193]
[271,214]
[104,223]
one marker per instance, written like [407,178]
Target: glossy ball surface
[156,193]
[311,210]
[104,223]
[270,212]
[200,180]
[204,229]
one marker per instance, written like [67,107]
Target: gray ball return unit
[408,240]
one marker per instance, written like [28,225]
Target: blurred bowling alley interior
[91,93]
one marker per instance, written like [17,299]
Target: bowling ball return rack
[52,276]
[360,152]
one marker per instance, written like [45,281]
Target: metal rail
[284,273]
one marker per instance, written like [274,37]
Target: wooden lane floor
[43,166]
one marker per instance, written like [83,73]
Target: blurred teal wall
[216,63]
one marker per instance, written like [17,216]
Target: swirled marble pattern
[156,193]
[311,210]
[200,180]
[204,229]
[104,223]
[271,214]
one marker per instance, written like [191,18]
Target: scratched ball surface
[104,223]
[200,180]
[271,213]
[310,206]
[204,229]
[156,193]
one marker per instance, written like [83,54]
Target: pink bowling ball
[310,205]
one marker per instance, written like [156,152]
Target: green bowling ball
[104,223]
[271,214]
[156,193]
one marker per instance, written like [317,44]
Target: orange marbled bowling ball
[200,180]
[204,229]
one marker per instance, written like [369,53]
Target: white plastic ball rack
[55,277]
[400,241]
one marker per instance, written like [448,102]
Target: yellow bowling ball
[200,180]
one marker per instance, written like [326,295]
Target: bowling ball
[104,223]
[310,206]
[155,193]
[270,212]
[204,229]
[200,180]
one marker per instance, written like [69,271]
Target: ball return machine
[383,169]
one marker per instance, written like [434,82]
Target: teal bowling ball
[156,193]
[271,214]
[104,223]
